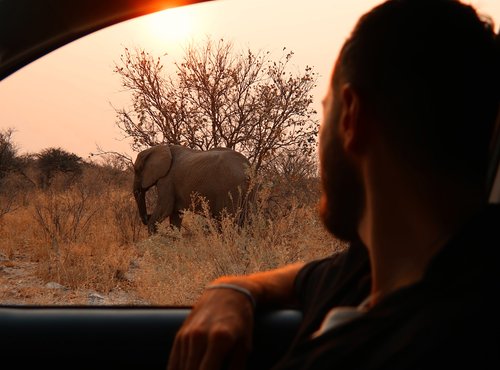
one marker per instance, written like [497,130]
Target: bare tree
[219,97]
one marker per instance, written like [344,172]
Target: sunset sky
[66,99]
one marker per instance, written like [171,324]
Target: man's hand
[218,332]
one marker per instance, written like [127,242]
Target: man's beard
[342,199]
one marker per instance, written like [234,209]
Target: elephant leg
[152,228]
[164,205]
[153,220]
[175,219]
[160,213]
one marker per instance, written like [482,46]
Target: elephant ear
[155,163]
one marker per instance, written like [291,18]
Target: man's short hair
[428,72]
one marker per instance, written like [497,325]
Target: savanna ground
[80,241]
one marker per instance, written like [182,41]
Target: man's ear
[353,129]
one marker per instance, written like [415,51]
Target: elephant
[220,175]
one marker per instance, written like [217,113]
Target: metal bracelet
[236,288]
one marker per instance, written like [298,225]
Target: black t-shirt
[340,280]
[449,319]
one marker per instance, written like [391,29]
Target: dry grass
[90,237]
[177,264]
[73,236]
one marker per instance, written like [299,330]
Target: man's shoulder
[341,279]
[339,266]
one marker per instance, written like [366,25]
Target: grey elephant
[220,175]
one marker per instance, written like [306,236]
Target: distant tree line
[42,168]
[49,162]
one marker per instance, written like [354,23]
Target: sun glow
[172,26]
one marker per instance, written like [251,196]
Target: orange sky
[66,98]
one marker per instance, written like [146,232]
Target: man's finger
[218,347]
[239,357]
[195,351]
[173,360]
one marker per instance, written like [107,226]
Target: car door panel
[119,337]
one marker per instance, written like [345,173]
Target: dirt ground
[19,285]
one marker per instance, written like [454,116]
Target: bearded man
[404,148]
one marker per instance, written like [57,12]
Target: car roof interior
[54,23]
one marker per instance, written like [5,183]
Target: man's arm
[219,329]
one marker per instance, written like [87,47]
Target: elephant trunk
[140,198]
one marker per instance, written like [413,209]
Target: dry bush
[7,204]
[94,265]
[65,216]
[16,234]
[14,191]
[105,179]
[78,244]
[129,227]
[78,236]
